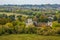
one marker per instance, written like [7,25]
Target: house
[49,24]
[43,24]
[29,22]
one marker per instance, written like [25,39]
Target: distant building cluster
[29,22]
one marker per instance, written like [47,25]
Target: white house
[29,22]
[49,24]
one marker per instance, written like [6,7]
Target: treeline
[10,29]
[37,18]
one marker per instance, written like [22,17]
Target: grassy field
[16,14]
[28,37]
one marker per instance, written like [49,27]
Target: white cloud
[29,1]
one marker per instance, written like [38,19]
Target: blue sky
[19,2]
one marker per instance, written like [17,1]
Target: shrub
[56,24]
[57,30]
[45,31]
[49,32]
[1,29]
[19,29]
[30,30]
[9,28]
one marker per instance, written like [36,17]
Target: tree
[43,18]
[59,19]
[22,18]
[12,17]
[3,16]
[55,18]
[4,21]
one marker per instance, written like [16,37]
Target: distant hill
[43,6]
[34,6]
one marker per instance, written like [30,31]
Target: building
[49,24]
[43,24]
[29,22]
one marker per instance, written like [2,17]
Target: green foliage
[43,18]
[21,18]
[10,29]
[55,18]
[46,31]
[30,30]
[12,17]
[1,29]
[57,30]
[8,24]
[56,24]
[19,29]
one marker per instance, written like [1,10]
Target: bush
[56,24]
[30,30]
[45,31]
[20,29]
[9,28]
[49,32]
[57,30]
[1,29]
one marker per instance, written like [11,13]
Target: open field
[16,14]
[28,37]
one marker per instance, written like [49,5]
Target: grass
[28,37]
[10,13]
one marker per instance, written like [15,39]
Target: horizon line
[28,4]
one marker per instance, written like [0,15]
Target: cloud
[29,2]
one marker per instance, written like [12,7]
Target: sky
[33,2]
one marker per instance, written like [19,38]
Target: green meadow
[28,37]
